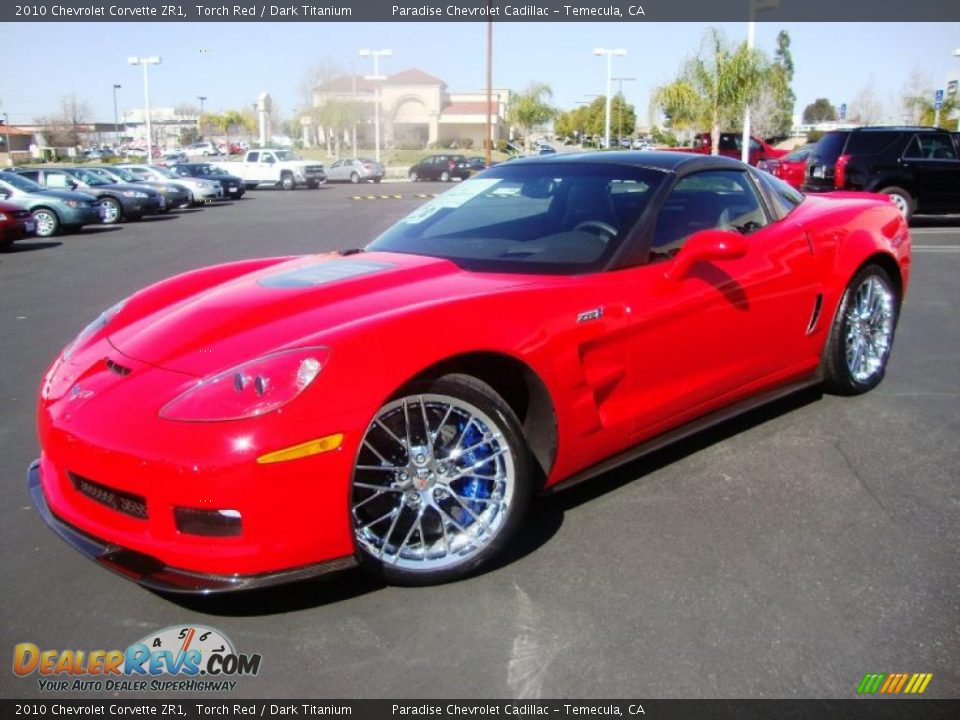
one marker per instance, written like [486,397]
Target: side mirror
[706,246]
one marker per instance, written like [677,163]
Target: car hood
[299,302]
[121,187]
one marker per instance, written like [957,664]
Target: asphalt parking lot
[784,554]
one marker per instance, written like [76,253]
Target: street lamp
[6,126]
[116,117]
[202,99]
[376,77]
[609,53]
[621,81]
[145,61]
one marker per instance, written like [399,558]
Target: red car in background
[790,168]
[731,145]
[399,406]
[16,223]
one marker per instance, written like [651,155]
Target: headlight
[254,388]
[134,194]
[74,203]
[93,328]
[2,217]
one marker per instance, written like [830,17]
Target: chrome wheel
[111,211]
[46,222]
[869,328]
[434,480]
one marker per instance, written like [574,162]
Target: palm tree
[925,112]
[530,108]
[715,87]
[230,121]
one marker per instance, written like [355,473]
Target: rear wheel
[444,176]
[902,199]
[442,480]
[413,176]
[354,178]
[48,223]
[861,337]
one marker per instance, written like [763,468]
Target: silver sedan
[354,170]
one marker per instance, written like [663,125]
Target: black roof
[665,160]
[891,128]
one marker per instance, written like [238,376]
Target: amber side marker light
[311,447]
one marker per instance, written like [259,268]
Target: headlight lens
[134,194]
[2,217]
[92,329]
[251,389]
[73,203]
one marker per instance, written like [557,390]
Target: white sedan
[202,190]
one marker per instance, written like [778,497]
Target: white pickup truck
[267,166]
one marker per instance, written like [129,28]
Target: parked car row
[45,201]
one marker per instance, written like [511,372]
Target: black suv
[440,167]
[918,167]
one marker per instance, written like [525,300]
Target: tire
[354,178]
[313,184]
[377,180]
[861,337]
[466,520]
[4,244]
[112,211]
[444,176]
[414,177]
[287,182]
[902,199]
[48,222]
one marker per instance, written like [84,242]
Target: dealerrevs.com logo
[178,658]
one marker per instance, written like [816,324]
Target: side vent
[815,316]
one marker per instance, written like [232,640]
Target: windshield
[546,218]
[90,178]
[283,155]
[20,183]
[108,175]
[799,154]
[166,172]
[123,174]
[206,170]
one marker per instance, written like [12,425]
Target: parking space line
[422,196]
[936,248]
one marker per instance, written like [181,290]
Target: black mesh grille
[127,503]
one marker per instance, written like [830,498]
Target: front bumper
[153,573]
[203,193]
[80,216]
[135,207]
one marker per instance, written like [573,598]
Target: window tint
[783,197]
[935,146]
[721,199]
[869,143]
[529,218]
[253,157]
[830,147]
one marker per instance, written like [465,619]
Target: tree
[782,120]
[925,111]
[766,115]
[530,108]
[315,76]
[715,86]
[335,116]
[820,110]
[866,108]
[63,129]
[230,122]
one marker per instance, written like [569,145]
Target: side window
[32,175]
[721,199]
[253,157]
[783,197]
[267,157]
[729,142]
[337,164]
[57,180]
[935,146]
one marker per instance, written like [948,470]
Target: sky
[231,63]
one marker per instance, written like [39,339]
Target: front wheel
[861,337]
[414,177]
[313,184]
[287,182]
[441,482]
[444,176]
[354,178]
[48,224]
[112,211]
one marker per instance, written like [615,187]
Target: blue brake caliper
[471,486]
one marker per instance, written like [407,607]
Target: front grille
[127,503]
[313,169]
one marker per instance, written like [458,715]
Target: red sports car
[790,168]
[399,406]
[16,223]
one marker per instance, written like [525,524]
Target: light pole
[6,126]
[609,53]
[755,7]
[116,117]
[202,99]
[377,78]
[145,61]
[621,81]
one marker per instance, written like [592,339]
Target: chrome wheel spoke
[439,513]
[868,329]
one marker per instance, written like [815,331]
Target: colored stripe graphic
[894,683]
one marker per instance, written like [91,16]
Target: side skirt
[684,431]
